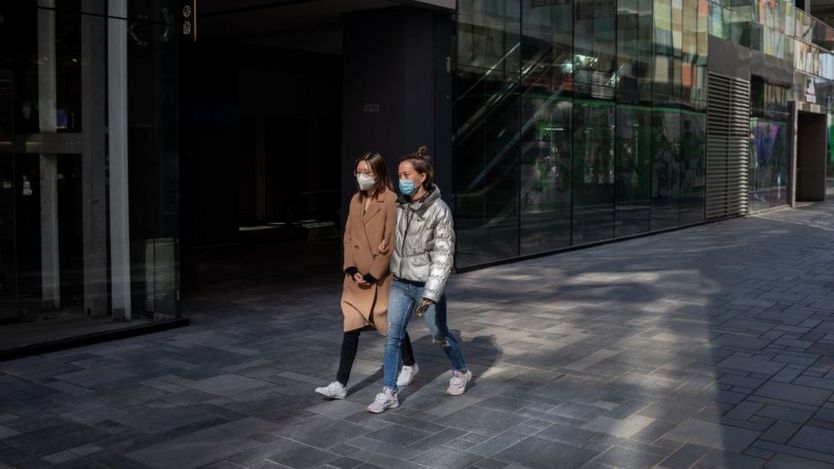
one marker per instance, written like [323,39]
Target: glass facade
[88,168]
[576,122]
[769,152]
[776,29]
[570,132]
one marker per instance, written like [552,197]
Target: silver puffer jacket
[425,247]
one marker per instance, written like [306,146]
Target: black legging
[350,344]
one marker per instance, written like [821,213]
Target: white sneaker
[407,374]
[457,385]
[387,399]
[334,390]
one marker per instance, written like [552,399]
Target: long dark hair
[377,164]
[421,161]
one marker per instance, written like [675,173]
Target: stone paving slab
[706,347]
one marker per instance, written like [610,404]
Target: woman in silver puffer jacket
[421,264]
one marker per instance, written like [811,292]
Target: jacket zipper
[405,235]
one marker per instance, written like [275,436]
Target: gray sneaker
[407,374]
[457,385]
[387,399]
[334,390]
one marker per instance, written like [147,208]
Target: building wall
[395,88]
[578,122]
[89,214]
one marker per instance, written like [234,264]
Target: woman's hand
[424,304]
[384,248]
[359,278]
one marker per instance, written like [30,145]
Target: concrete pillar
[118,156]
[50,261]
[93,158]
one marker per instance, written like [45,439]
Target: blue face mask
[407,186]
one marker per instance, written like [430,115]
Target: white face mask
[365,182]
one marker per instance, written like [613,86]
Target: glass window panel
[468,164]
[595,49]
[635,32]
[485,168]
[488,35]
[755,39]
[545,172]
[694,54]
[56,278]
[790,18]
[768,163]
[633,170]
[716,23]
[804,26]
[668,60]
[501,180]
[593,171]
[665,168]
[547,43]
[693,167]
[830,159]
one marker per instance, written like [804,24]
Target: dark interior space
[277,99]
[810,157]
[260,125]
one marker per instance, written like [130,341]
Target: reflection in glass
[633,186]
[485,169]
[488,35]
[58,201]
[665,168]
[546,175]
[603,106]
[593,171]
[693,150]
[501,181]
[634,47]
[668,53]
[547,44]
[768,163]
[595,48]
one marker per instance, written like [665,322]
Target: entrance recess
[810,156]
[277,101]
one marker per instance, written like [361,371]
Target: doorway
[260,157]
[277,99]
[811,147]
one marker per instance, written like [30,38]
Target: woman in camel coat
[369,232]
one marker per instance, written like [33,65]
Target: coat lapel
[374,208]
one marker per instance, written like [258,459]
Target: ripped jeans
[405,296]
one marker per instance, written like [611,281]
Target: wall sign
[189,19]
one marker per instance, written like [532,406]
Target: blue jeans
[403,300]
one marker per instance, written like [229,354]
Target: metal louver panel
[728,140]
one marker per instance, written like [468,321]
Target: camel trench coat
[367,305]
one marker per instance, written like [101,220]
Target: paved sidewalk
[707,347]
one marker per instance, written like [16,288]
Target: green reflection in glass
[633,170]
[593,170]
